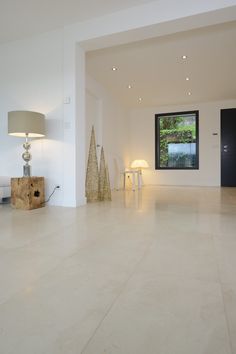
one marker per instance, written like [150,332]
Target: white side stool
[134,173]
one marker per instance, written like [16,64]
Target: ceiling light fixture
[140,99]
[187,78]
[189,93]
[129,86]
[184,57]
[114,68]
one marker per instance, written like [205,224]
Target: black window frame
[157,140]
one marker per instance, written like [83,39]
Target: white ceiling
[157,73]
[24,18]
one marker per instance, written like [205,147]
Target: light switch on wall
[67,100]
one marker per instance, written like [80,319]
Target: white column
[74,124]
[80,126]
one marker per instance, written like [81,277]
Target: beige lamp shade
[22,123]
[139,164]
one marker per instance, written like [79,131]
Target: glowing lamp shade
[139,164]
[26,124]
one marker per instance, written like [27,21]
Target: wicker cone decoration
[104,184]
[92,176]
[108,184]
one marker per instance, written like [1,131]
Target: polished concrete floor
[152,272]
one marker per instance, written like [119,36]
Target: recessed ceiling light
[140,99]
[189,93]
[129,86]
[114,68]
[187,78]
[184,57]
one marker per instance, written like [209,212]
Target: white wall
[142,139]
[93,119]
[31,79]
[111,125]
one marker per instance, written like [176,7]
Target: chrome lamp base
[26,157]
[26,170]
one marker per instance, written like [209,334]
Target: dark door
[228,147]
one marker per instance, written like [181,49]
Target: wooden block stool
[27,193]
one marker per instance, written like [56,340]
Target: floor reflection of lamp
[26,124]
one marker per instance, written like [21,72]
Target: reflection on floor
[152,272]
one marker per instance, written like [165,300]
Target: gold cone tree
[108,189]
[92,175]
[104,183]
[102,176]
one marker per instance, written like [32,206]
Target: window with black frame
[177,140]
